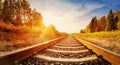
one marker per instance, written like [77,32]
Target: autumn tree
[16,11]
[51,32]
[101,23]
[6,8]
[115,22]
[81,31]
[37,19]
[26,12]
[118,25]
[87,29]
[18,8]
[91,27]
[111,22]
[1,6]
[93,24]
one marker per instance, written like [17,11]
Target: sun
[50,18]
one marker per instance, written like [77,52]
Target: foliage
[118,25]
[13,29]
[1,8]
[81,31]
[87,29]
[51,32]
[18,17]
[20,26]
[112,22]
[92,25]
[18,13]
[101,23]
[104,23]
[107,28]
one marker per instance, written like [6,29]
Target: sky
[72,15]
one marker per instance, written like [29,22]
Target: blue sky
[72,15]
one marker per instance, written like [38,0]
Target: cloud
[68,15]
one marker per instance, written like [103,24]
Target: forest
[104,31]
[22,26]
[109,22]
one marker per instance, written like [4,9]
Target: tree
[115,22]
[16,11]
[87,29]
[81,31]
[101,23]
[118,25]
[26,12]
[112,25]
[5,12]
[93,24]
[107,28]
[51,32]
[1,6]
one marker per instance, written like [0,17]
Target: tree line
[18,13]
[104,23]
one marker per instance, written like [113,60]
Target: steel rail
[106,54]
[12,57]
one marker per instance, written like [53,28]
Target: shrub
[107,28]
[118,25]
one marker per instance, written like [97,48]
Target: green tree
[112,25]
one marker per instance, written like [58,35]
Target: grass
[13,41]
[16,37]
[109,40]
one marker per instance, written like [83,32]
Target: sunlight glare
[50,19]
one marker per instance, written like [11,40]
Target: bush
[107,28]
[81,31]
[118,25]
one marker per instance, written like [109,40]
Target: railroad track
[66,52]
[69,51]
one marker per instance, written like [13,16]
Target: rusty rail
[12,57]
[106,54]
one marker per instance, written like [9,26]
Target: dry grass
[108,40]
[16,37]
[10,41]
